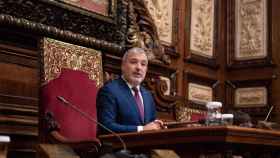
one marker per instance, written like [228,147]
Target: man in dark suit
[123,104]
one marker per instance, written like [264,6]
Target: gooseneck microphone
[69,104]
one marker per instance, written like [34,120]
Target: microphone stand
[85,115]
[124,153]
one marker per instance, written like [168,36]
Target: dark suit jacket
[117,108]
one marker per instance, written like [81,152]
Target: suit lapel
[130,98]
[145,102]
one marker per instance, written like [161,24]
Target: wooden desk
[192,142]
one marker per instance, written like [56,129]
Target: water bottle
[214,115]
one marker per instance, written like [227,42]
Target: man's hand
[155,125]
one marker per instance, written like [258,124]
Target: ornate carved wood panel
[201,41]
[199,89]
[251,96]
[64,19]
[249,33]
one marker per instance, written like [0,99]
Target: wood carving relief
[251,31]
[200,94]
[200,89]
[202,27]
[166,85]
[41,12]
[162,14]
[142,32]
[158,87]
[250,97]
[132,26]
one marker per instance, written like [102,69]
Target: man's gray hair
[135,50]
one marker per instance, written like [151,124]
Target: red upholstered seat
[78,90]
[63,124]
[74,73]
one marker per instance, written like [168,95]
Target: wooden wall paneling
[105,11]
[165,103]
[19,89]
[44,14]
[275,27]
[199,89]
[111,63]
[250,96]
[201,29]
[249,34]
[172,48]
[166,17]
[39,29]
[19,55]
[251,63]
[221,48]
[178,63]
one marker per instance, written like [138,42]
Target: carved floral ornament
[142,32]
[162,14]
[251,30]
[58,55]
[202,27]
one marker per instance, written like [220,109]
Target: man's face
[134,68]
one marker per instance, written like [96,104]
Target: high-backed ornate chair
[71,76]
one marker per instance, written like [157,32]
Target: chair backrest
[74,73]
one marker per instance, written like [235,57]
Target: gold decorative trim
[58,55]
[184,113]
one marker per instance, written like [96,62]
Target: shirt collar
[129,85]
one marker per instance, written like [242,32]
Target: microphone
[85,115]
